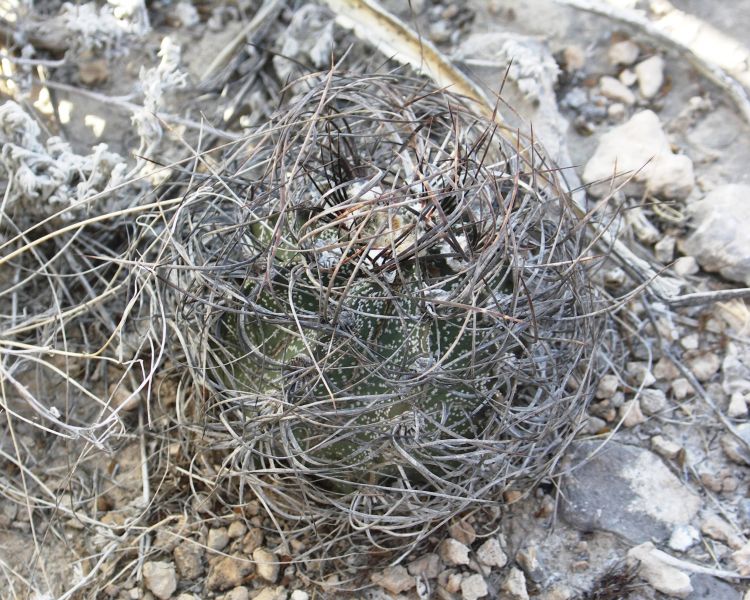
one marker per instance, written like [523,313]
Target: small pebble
[665,369]
[228,572]
[665,447]
[615,90]
[662,577]
[704,366]
[394,579]
[690,342]
[718,529]
[453,552]
[631,414]
[681,388]
[160,578]
[188,558]
[650,75]
[685,265]
[623,53]
[427,566]
[711,481]
[491,553]
[463,532]
[271,593]
[737,406]
[473,587]
[607,386]
[217,539]
[617,112]
[628,77]
[238,593]
[574,58]
[515,585]
[640,374]
[236,529]
[267,564]
[653,401]
[684,537]
[299,595]
[664,249]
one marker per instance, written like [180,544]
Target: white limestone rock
[720,241]
[639,151]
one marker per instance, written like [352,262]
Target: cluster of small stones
[220,559]
[463,566]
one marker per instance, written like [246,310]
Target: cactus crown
[397,307]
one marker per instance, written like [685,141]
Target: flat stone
[706,587]
[627,491]
[607,386]
[631,414]
[160,578]
[735,450]
[737,408]
[427,566]
[394,579]
[217,539]
[639,153]
[662,577]
[704,366]
[653,401]
[188,558]
[720,241]
[665,447]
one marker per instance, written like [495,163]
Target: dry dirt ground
[128,521]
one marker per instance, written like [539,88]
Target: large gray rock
[720,241]
[638,152]
[706,587]
[627,491]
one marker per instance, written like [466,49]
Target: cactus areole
[399,315]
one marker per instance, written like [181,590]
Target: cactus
[398,322]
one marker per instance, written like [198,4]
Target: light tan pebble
[650,75]
[394,579]
[665,369]
[515,585]
[512,496]
[188,558]
[662,577]
[453,583]
[271,593]
[217,539]
[187,596]
[718,529]
[729,484]
[640,374]
[690,342]
[266,564]
[617,112]
[665,447]
[607,386]
[160,578]
[463,532]
[628,77]
[527,558]
[299,595]
[631,414]
[711,482]
[238,593]
[615,90]
[491,553]
[473,587]
[737,406]
[558,592]
[741,559]
[228,572]
[681,389]
[253,540]
[593,426]
[574,58]
[453,552]
[236,529]
[623,53]
[427,566]
[704,366]
[685,266]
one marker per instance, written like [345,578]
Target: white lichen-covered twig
[46,178]
[105,28]
[155,83]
